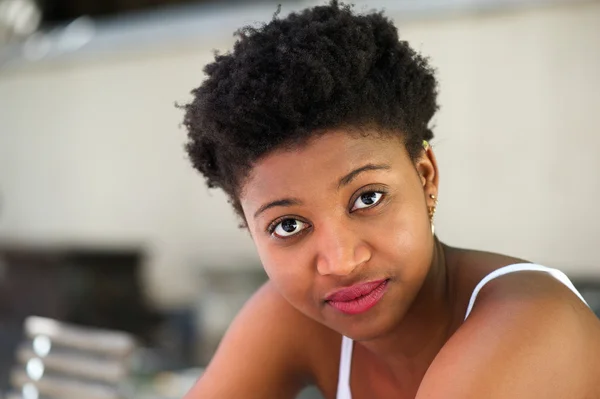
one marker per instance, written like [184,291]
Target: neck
[409,349]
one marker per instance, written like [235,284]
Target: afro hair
[323,68]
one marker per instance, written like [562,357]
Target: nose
[340,250]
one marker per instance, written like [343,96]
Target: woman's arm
[263,353]
[528,337]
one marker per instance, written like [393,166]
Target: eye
[367,200]
[288,228]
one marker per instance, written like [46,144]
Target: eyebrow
[280,202]
[344,181]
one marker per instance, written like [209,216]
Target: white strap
[343,391]
[517,268]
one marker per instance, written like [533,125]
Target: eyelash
[273,225]
[271,228]
[369,190]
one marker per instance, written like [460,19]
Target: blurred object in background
[60,11]
[86,286]
[65,361]
[222,293]
[590,290]
[18,20]
[91,287]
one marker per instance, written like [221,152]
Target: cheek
[404,237]
[290,273]
[413,232]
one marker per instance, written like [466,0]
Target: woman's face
[343,211]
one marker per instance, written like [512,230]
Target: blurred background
[108,234]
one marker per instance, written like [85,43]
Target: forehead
[318,163]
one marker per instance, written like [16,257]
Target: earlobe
[428,173]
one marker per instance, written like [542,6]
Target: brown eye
[289,227]
[367,200]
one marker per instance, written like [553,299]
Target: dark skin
[525,331]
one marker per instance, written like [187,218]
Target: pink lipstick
[359,298]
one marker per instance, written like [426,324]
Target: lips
[358,298]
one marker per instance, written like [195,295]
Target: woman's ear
[428,171]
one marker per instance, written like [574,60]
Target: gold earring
[431,211]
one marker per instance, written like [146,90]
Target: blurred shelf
[136,32]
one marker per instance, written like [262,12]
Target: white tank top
[343,391]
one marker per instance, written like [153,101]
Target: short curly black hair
[324,68]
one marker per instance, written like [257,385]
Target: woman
[317,128]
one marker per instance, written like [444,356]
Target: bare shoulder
[528,336]
[270,350]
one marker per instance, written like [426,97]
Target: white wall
[92,152]
[518,139]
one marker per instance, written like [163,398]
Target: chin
[371,325]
